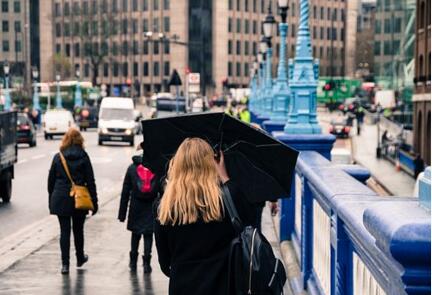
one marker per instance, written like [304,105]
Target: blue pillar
[78,95]
[36,105]
[8,103]
[268,95]
[281,92]
[58,96]
[425,189]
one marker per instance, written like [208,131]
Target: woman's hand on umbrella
[221,169]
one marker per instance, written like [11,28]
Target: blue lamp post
[281,91]
[6,69]
[78,94]
[260,88]
[35,74]
[59,103]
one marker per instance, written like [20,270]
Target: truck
[8,153]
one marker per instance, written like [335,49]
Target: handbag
[80,193]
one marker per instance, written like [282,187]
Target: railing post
[340,258]
[306,233]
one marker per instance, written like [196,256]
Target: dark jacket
[140,217]
[60,203]
[195,256]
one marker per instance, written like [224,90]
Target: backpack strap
[232,211]
[66,168]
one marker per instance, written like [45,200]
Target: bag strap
[66,168]
[232,211]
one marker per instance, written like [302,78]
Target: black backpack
[253,267]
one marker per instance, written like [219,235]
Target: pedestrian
[192,231]
[60,201]
[359,117]
[418,165]
[244,115]
[140,189]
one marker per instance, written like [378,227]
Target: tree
[62,65]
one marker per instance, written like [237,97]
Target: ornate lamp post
[6,69]
[269,31]
[58,96]
[254,86]
[78,94]
[261,86]
[35,74]
[281,92]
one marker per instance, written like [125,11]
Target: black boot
[146,264]
[133,258]
[65,269]
[81,260]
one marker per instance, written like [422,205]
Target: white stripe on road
[22,161]
[38,157]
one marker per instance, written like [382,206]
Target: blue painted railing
[348,240]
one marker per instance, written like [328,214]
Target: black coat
[195,256]
[60,203]
[140,217]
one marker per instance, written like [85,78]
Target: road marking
[100,160]
[38,157]
[22,161]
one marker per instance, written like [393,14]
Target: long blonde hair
[193,189]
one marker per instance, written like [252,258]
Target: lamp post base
[272,126]
[302,128]
[260,119]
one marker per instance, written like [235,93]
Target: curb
[30,239]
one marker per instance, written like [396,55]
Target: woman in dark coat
[193,234]
[140,216]
[62,204]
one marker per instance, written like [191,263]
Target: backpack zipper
[250,263]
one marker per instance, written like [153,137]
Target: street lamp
[263,44]
[283,7]
[6,69]
[78,94]
[269,23]
[268,26]
[35,74]
[58,96]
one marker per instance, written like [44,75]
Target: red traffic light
[327,87]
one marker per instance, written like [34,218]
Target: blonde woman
[192,231]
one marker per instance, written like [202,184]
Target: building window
[322,13]
[58,48]
[135,47]
[114,8]
[134,26]
[254,48]
[230,69]
[238,69]
[254,6]
[342,34]
[104,48]
[254,27]
[156,5]
[145,69]
[5,6]
[166,24]
[387,48]
[105,70]
[86,70]
[246,48]
[166,68]
[94,7]
[5,46]
[229,25]
[145,5]
[135,5]
[17,7]
[125,47]
[146,47]
[57,11]
[246,30]
[377,26]
[422,15]
[166,4]
[155,47]
[135,69]
[315,12]
[246,5]
[230,4]
[76,29]
[145,25]
[125,69]
[104,6]
[238,25]
[77,49]
[293,9]
[156,24]
[124,28]
[95,28]
[246,69]
[238,5]
[5,26]
[156,68]
[114,49]
[125,5]
[229,46]
[66,9]
[115,69]
[238,48]
[66,28]
[314,32]
[18,46]
[397,25]
[293,30]
[328,13]
[387,26]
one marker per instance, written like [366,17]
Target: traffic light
[330,85]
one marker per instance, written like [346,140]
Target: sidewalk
[364,146]
[107,244]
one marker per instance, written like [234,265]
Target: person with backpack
[140,189]
[71,168]
[193,230]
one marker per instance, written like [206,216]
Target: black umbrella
[261,165]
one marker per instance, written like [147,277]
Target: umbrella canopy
[261,165]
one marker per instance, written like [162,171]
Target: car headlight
[103,130]
[128,131]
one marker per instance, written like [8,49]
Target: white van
[116,120]
[57,122]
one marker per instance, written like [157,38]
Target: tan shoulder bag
[81,193]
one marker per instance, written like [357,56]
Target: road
[29,202]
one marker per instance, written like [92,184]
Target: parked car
[88,118]
[8,153]
[339,127]
[57,122]
[170,104]
[26,132]
[116,120]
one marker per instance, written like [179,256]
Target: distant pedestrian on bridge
[61,203]
[140,189]
[192,232]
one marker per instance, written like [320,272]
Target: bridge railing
[349,240]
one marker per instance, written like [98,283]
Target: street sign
[194,78]
[175,79]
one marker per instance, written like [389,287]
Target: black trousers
[78,232]
[148,242]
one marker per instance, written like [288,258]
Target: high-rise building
[422,80]
[19,39]
[109,40]
[364,61]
